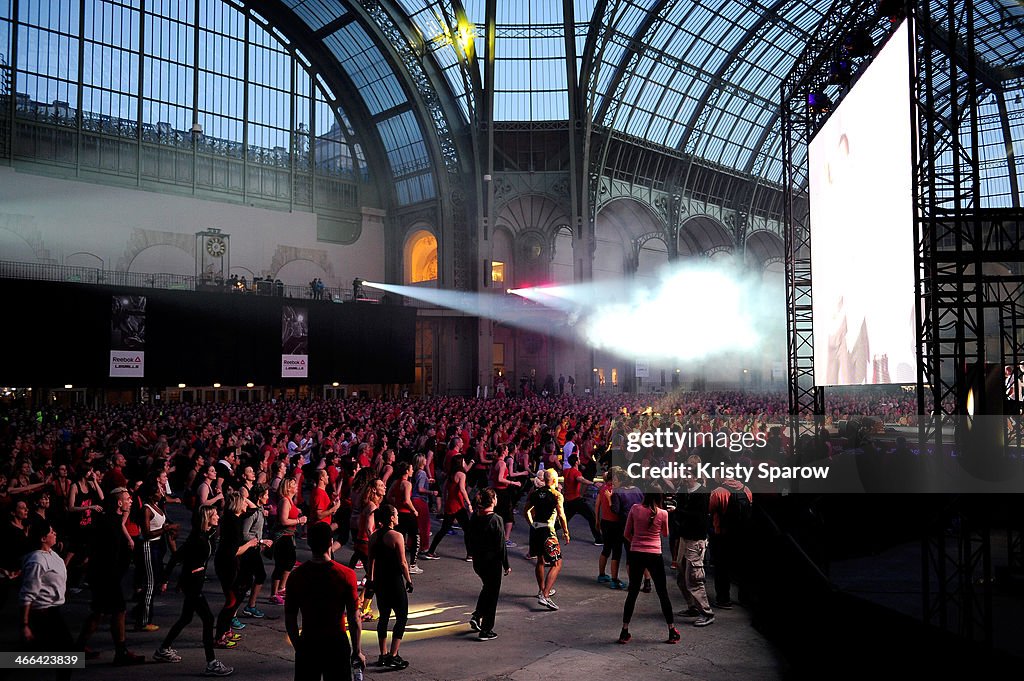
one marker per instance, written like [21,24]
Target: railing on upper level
[94,275]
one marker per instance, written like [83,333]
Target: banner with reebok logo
[294,342]
[128,336]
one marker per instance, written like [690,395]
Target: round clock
[215,246]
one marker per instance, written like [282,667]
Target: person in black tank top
[392,583]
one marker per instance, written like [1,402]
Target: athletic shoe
[426,555]
[689,612]
[540,597]
[232,636]
[359,565]
[549,604]
[225,644]
[396,662]
[724,605]
[598,542]
[673,635]
[468,559]
[624,636]
[415,570]
[382,660]
[253,611]
[529,557]
[704,620]
[551,593]
[474,623]
[646,588]
[487,636]
[166,655]
[127,657]
[509,544]
[237,624]
[148,627]
[603,579]
[275,600]
[218,668]
[674,565]
[619,585]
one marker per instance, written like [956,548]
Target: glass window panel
[168,40]
[367,67]
[317,13]
[109,104]
[56,15]
[268,138]
[45,91]
[269,68]
[46,53]
[550,106]
[222,128]
[269,107]
[176,117]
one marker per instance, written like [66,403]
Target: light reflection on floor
[425,630]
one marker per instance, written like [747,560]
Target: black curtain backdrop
[55,333]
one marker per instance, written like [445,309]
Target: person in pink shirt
[646,524]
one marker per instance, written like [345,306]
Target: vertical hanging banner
[128,336]
[294,342]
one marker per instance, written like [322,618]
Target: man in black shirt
[486,536]
[111,556]
[692,520]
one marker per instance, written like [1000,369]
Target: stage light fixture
[818,102]
[334,384]
[249,385]
[181,385]
[68,386]
[216,385]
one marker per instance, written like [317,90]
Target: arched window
[421,257]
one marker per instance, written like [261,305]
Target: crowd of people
[86,494]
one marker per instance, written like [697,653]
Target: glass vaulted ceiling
[706,77]
[530,51]
[378,85]
[698,76]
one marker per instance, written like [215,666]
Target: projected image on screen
[862,247]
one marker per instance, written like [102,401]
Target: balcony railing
[179,282]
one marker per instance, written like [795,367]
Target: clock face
[216,247]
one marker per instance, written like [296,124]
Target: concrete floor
[578,642]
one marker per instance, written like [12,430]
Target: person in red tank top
[457,506]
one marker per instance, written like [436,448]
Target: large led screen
[862,245]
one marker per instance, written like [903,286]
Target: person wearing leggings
[392,581]
[400,496]
[646,524]
[193,556]
[233,579]
[373,494]
[612,527]
[288,521]
[456,506]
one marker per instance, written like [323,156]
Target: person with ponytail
[646,524]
